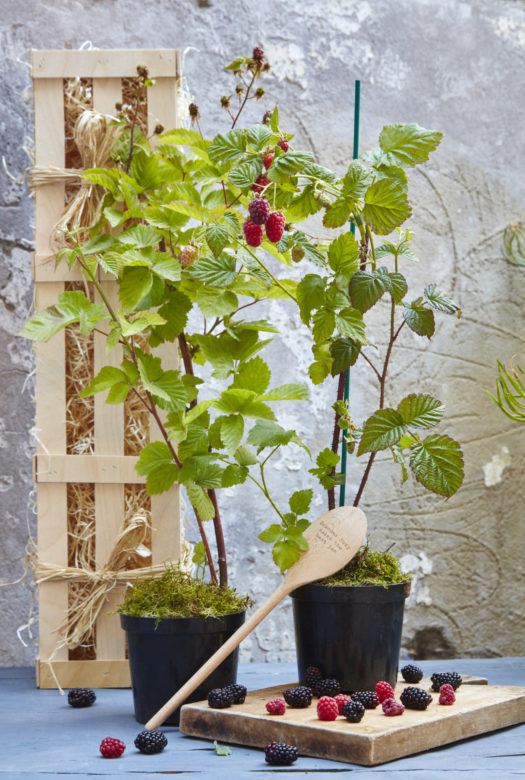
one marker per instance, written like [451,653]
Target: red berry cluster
[110,747]
[261,219]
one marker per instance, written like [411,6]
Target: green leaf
[343,255]
[139,236]
[170,384]
[386,206]
[313,169]
[156,464]
[323,325]
[366,288]
[216,302]
[287,165]
[311,252]
[227,147]
[253,375]
[288,392]
[266,433]
[167,267]
[338,212]
[71,307]
[274,120]
[245,457]
[196,411]
[181,136]
[349,323]
[355,182]
[382,429]
[407,144]
[195,443]
[310,295]
[219,271]
[151,373]
[302,205]
[245,174]
[300,501]
[234,475]
[238,63]
[271,534]
[244,402]
[175,313]
[232,430]
[221,750]
[345,353]
[286,553]
[398,286]
[107,178]
[135,285]
[98,244]
[217,237]
[200,501]
[438,300]
[420,410]
[258,136]
[419,319]
[106,378]
[437,463]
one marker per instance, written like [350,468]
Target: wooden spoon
[333,539]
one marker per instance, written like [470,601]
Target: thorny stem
[219,537]
[336,435]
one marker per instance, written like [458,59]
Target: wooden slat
[104,469]
[96,63]
[162,105]
[49,150]
[109,673]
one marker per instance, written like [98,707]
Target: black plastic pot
[353,634]
[163,656]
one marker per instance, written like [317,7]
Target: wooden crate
[109,469]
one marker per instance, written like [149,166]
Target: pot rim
[315,591]
[172,625]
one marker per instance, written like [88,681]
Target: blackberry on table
[328,687]
[300,696]
[312,677]
[445,678]
[369,699]
[238,692]
[150,742]
[280,754]
[353,711]
[81,697]
[220,698]
[411,673]
[415,698]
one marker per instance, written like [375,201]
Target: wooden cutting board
[478,708]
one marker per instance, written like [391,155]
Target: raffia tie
[94,135]
[83,613]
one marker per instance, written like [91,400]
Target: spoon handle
[218,657]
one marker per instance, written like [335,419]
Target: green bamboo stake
[355,155]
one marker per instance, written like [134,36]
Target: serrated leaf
[234,475]
[98,244]
[438,300]
[382,429]
[175,313]
[106,378]
[266,433]
[245,457]
[156,464]
[228,146]
[310,295]
[319,171]
[135,285]
[407,144]
[219,271]
[71,307]
[165,217]
[420,410]
[323,325]
[286,553]
[302,205]
[200,501]
[258,136]
[287,165]
[399,457]
[274,120]
[217,237]
[232,430]
[300,501]
[288,392]
[107,178]
[386,206]
[437,463]
[420,319]
[312,252]
[343,255]
[338,212]
[244,402]
[349,322]
[216,302]
[271,534]
[398,286]
[253,375]
[221,750]
[139,236]
[167,267]
[245,174]
[355,182]
[344,353]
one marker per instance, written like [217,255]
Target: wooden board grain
[377,739]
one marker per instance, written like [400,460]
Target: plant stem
[250,85]
[219,537]
[213,573]
[272,277]
[336,436]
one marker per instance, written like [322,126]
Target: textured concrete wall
[449,65]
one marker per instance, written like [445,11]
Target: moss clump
[175,594]
[369,568]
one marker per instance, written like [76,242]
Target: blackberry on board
[220,698]
[328,687]
[445,678]
[150,742]
[369,699]
[81,697]
[415,698]
[299,697]
[353,711]
[238,692]
[280,754]
[411,673]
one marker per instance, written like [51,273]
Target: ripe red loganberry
[384,690]
[276,706]
[110,747]
[446,694]
[283,143]
[253,233]
[392,707]
[259,209]
[260,183]
[268,159]
[341,699]
[327,708]
[275,226]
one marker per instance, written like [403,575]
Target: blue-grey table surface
[40,735]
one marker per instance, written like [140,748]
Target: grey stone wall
[449,65]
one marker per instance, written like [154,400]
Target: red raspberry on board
[276,706]
[446,694]
[253,233]
[259,209]
[283,143]
[268,159]
[259,184]
[112,748]
[392,707]
[384,690]
[341,699]
[327,708]
[275,226]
